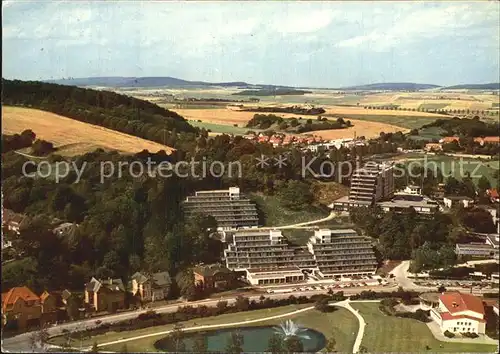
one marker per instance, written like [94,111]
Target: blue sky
[322,44]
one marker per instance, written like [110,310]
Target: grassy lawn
[232,317]
[341,324]
[392,334]
[450,165]
[277,215]
[403,121]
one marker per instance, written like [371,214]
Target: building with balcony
[459,313]
[267,258]
[228,207]
[372,182]
[341,253]
[369,184]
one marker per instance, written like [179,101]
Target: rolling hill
[489,86]
[70,136]
[154,81]
[392,86]
[106,109]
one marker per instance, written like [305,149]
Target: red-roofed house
[449,139]
[21,305]
[459,313]
[488,140]
[493,194]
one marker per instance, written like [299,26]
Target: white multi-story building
[267,258]
[341,252]
[459,313]
[228,207]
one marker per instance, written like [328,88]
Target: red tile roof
[10,297]
[449,139]
[446,316]
[492,139]
[458,302]
[493,193]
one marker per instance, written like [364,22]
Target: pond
[255,339]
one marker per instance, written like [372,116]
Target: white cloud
[303,22]
[426,23]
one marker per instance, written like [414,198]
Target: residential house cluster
[23,309]
[450,139]
[281,139]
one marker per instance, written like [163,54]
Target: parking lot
[336,283]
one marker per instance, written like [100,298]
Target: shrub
[470,335]
[449,334]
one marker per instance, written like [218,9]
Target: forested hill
[108,109]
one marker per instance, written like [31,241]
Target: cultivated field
[71,136]
[230,117]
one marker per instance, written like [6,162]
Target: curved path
[209,326]
[362,324]
[306,223]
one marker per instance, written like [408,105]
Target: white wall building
[459,313]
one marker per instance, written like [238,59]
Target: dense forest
[467,128]
[108,109]
[294,125]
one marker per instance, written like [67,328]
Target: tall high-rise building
[372,182]
[228,207]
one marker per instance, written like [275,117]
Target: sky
[315,44]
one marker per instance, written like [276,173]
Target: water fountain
[290,328]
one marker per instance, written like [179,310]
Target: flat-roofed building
[342,252]
[265,249]
[476,250]
[274,276]
[369,184]
[403,202]
[372,182]
[228,207]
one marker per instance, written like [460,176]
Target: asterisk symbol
[280,161]
[262,161]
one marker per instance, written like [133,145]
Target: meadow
[403,335]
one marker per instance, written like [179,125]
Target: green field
[431,133]
[392,334]
[457,167]
[403,121]
[220,128]
[340,323]
[277,215]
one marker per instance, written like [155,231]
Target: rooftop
[11,296]
[458,302]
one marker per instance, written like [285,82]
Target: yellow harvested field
[361,128]
[77,137]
